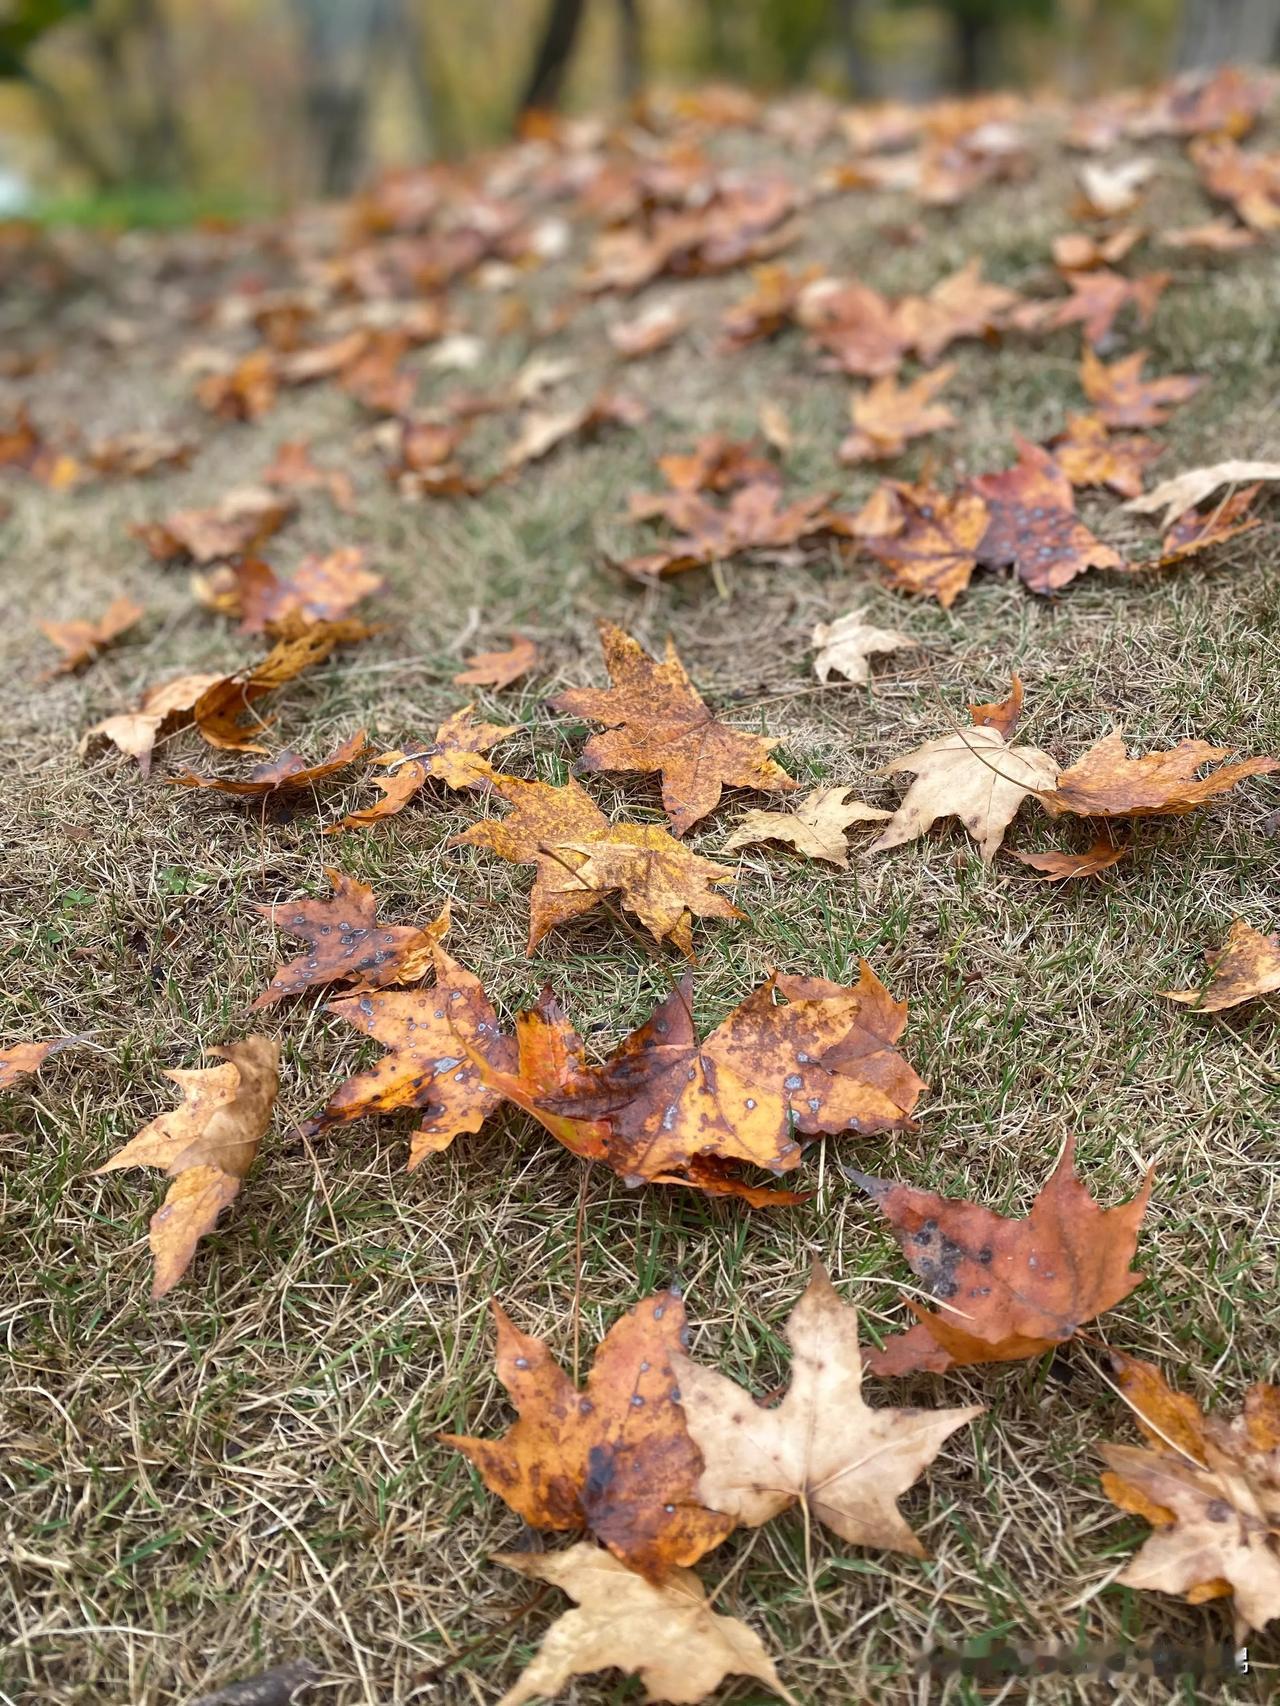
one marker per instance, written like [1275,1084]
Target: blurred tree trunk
[845,19]
[975,31]
[555,50]
[1217,32]
[630,49]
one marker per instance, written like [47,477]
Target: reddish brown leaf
[1059,867]
[1250,182]
[81,641]
[1003,715]
[500,669]
[349,943]
[887,416]
[455,758]
[243,521]
[754,519]
[1106,782]
[294,471]
[322,589]
[288,773]
[1245,967]
[221,708]
[1098,297]
[1123,398]
[1202,529]
[933,550]
[1089,455]
[1032,524]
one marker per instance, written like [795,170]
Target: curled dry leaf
[1032,524]
[21,1059]
[455,758]
[665,1633]
[81,641]
[929,542]
[657,722]
[542,432]
[823,1444]
[1123,398]
[1106,782]
[288,773]
[1245,967]
[206,1146]
[1213,237]
[1076,251]
[845,645]
[322,589]
[1185,491]
[349,943]
[973,774]
[1013,1288]
[647,332]
[616,1458]
[134,455]
[815,828]
[1211,1490]
[581,857]
[1109,190]
[1090,455]
[500,669]
[220,710]
[165,707]
[1055,867]
[1203,529]
[243,521]
[889,415]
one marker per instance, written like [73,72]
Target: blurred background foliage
[158,108]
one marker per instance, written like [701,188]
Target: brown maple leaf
[1099,296]
[1089,454]
[1055,867]
[542,431]
[1245,967]
[754,519]
[1202,529]
[664,1633]
[206,1146]
[1077,251]
[1013,1288]
[769,307]
[815,828]
[1032,524]
[21,1059]
[658,722]
[221,708]
[822,1445]
[859,329]
[1250,182]
[455,758]
[889,415]
[1211,1490]
[581,857]
[1106,782]
[289,773]
[1123,398]
[500,669]
[930,539]
[245,391]
[243,521]
[321,589]
[81,641]
[614,1459]
[963,305]
[349,943]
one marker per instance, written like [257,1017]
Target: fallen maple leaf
[322,589]
[1123,398]
[1090,455]
[932,550]
[1014,1287]
[1250,182]
[658,722]
[1210,1488]
[1003,715]
[581,857]
[219,710]
[823,1445]
[963,305]
[349,943]
[293,471]
[649,331]
[754,519]
[167,706]
[1033,525]
[1109,190]
[1106,782]
[288,773]
[1055,867]
[815,828]
[246,391]
[81,641]
[1076,251]
[858,328]
[887,416]
[542,432]
[21,1059]
[134,455]
[243,521]
[455,758]
[1203,529]
[664,1633]
[500,669]
[1185,491]
[1099,296]
[615,1459]
[1245,967]
[845,645]
[769,308]
[206,1146]
[973,774]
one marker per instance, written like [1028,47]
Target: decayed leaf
[288,773]
[1014,1287]
[1090,455]
[1098,296]
[206,1146]
[822,1444]
[455,758]
[859,329]
[1123,398]
[1246,966]
[500,669]
[1033,525]
[664,1633]
[163,708]
[221,708]
[973,774]
[1210,1488]
[887,416]
[1185,491]
[1106,782]
[933,550]
[1060,867]
[581,857]
[349,943]
[657,722]
[649,331]
[23,1058]
[322,589]
[616,1458]
[243,521]
[81,641]
[815,828]
[845,645]
[1203,529]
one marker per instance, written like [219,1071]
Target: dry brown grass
[248,1472]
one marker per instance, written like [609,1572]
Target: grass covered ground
[247,1472]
